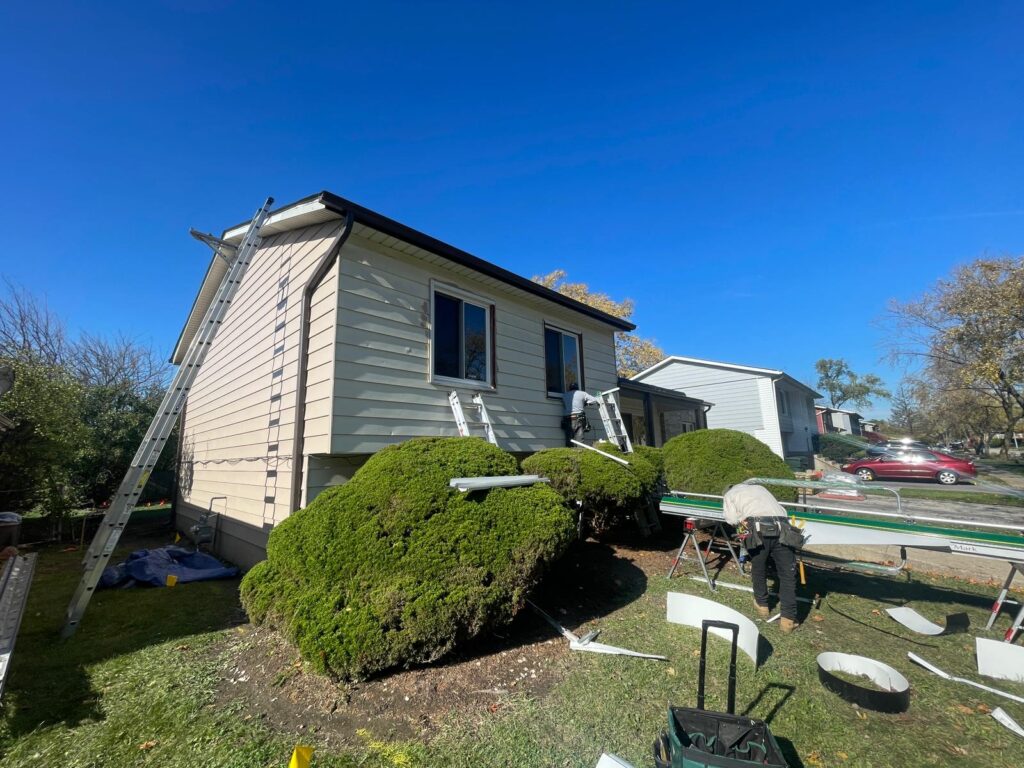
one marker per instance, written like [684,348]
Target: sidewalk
[1005,476]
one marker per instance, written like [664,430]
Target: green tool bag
[697,738]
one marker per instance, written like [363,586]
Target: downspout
[312,284]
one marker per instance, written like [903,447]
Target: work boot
[763,611]
[788,625]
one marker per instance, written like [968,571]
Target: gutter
[315,279]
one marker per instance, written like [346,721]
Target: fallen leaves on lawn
[965,709]
[817,617]
[984,709]
[875,612]
[148,744]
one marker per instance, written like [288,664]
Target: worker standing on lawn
[574,422]
[763,524]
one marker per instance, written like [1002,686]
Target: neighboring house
[838,420]
[770,405]
[654,415]
[356,328]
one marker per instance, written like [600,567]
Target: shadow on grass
[51,679]
[591,581]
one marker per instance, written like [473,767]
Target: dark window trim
[579,351]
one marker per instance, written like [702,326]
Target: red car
[913,465]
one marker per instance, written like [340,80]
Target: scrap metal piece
[579,645]
[915,622]
[693,611]
[465,484]
[946,676]
[586,643]
[607,455]
[999,660]
[612,761]
[1001,717]
[892,694]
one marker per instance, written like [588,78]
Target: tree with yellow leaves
[969,333]
[632,353]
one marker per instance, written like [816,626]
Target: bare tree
[968,331]
[29,329]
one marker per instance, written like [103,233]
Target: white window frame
[579,355]
[477,300]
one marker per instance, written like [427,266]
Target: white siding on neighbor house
[239,419]
[800,423]
[735,394]
[770,434]
[382,389]
[743,401]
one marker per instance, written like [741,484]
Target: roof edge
[396,229]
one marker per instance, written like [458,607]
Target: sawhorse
[717,532]
[1018,621]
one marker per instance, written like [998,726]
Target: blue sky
[760,178]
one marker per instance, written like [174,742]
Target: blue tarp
[152,566]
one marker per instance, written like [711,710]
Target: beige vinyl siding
[382,389]
[239,423]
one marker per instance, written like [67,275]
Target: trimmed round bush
[395,568]
[609,492]
[708,460]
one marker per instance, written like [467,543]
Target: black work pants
[785,564]
[575,426]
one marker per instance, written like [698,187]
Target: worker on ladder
[574,422]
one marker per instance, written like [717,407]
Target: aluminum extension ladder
[15,581]
[611,416]
[465,426]
[121,506]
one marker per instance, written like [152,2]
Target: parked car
[894,446]
[913,465]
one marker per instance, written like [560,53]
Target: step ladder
[123,502]
[465,426]
[611,416]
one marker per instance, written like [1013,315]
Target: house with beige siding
[769,404]
[347,334]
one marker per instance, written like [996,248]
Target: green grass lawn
[999,499]
[136,685]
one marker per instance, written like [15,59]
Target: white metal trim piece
[613,761]
[586,643]
[1002,661]
[946,676]
[606,455]
[692,611]
[1001,717]
[915,622]
[893,688]
[465,484]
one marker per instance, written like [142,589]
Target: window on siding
[562,364]
[461,339]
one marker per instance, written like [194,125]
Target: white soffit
[693,611]
[293,217]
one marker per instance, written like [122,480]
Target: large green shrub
[607,492]
[396,568]
[708,460]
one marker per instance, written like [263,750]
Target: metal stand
[1018,621]
[717,531]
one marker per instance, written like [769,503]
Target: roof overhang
[326,206]
[628,387]
[770,372]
